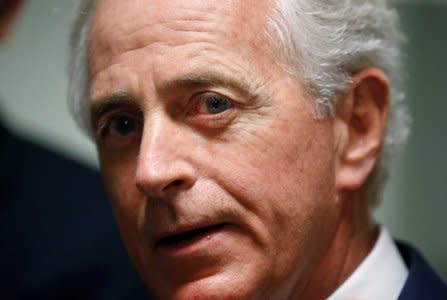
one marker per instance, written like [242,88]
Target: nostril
[177,182]
[173,185]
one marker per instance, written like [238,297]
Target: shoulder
[21,159]
[422,281]
[59,239]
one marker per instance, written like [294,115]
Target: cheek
[283,177]
[126,201]
[128,206]
[282,161]
[119,179]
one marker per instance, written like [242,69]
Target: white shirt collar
[381,275]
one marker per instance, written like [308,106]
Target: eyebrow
[206,80]
[110,102]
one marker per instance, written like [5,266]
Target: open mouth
[191,236]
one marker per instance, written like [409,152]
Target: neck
[353,240]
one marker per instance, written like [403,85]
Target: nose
[164,165]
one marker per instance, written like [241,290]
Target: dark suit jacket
[422,281]
[58,239]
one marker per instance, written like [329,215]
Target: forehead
[158,11]
[120,26]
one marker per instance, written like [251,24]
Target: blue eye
[211,110]
[213,104]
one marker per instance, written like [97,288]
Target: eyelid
[198,98]
[206,96]
[203,94]
[103,122]
[218,120]
[117,101]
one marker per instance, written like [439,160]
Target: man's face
[221,180]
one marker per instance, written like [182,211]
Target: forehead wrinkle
[170,33]
[178,19]
[105,103]
[207,79]
[105,80]
[204,16]
[132,31]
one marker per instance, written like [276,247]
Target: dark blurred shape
[8,11]
[58,239]
[422,282]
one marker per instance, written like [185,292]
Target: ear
[359,127]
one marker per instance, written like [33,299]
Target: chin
[212,288]
[231,285]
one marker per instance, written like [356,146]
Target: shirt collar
[381,275]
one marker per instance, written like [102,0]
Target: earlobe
[360,127]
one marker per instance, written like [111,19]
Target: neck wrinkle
[363,237]
[352,241]
[365,234]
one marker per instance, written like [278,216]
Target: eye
[211,110]
[120,131]
[210,103]
[122,125]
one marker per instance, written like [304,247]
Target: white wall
[33,102]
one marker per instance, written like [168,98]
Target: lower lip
[202,240]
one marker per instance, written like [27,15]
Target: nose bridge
[157,145]
[163,165]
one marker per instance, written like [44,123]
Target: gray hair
[79,81]
[321,42]
[324,43]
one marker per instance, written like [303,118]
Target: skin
[286,187]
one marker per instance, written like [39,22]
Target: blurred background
[33,104]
